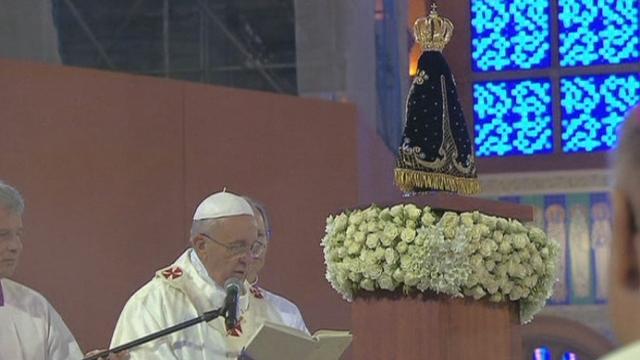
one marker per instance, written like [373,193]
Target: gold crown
[433,32]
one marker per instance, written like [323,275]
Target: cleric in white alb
[30,328]
[223,246]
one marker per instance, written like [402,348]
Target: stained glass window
[598,31]
[593,107]
[541,353]
[508,35]
[513,117]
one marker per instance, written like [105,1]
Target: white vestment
[184,291]
[629,352]
[30,328]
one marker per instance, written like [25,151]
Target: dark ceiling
[238,43]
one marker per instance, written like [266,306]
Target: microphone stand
[205,317]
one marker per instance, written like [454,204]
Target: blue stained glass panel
[541,353]
[510,34]
[513,117]
[595,32]
[593,107]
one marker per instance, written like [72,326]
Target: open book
[277,342]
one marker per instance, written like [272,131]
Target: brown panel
[393,326]
[111,173]
[298,157]
[98,158]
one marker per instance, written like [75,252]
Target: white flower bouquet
[408,248]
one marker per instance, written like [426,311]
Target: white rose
[372,241]
[516,293]
[354,249]
[355,218]
[408,235]
[489,265]
[544,252]
[484,230]
[385,215]
[477,292]
[520,241]
[386,282]
[537,235]
[502,224]
[449,219]
[351,229]
[487,248]
[411,279]
[466,219]
[449,232]
[397,211]
[427,218]
[491,286]
[355,277]
[413,213]
[391,232]
[367,284]
[390,256]
[379,253]
[371,214]
[505,285]
[505,247]
[340,223]
[402,247]
[398,275]
[490,221]
[476,260]
[373,271]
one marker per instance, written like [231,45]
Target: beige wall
[112,166]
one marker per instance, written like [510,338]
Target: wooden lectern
[392,326]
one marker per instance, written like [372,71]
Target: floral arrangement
[469,254]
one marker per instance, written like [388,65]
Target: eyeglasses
[255,250]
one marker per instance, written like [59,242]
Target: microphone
[230,310]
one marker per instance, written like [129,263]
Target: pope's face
[10,241]
[225,252]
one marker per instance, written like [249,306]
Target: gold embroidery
[441,172]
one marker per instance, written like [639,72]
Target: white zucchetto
[222,204]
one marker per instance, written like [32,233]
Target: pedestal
[390,326]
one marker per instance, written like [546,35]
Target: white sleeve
[298,321]
[135,322]
[289,312]
[60,343]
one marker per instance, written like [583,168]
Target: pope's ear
[624,252]
[199,243]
